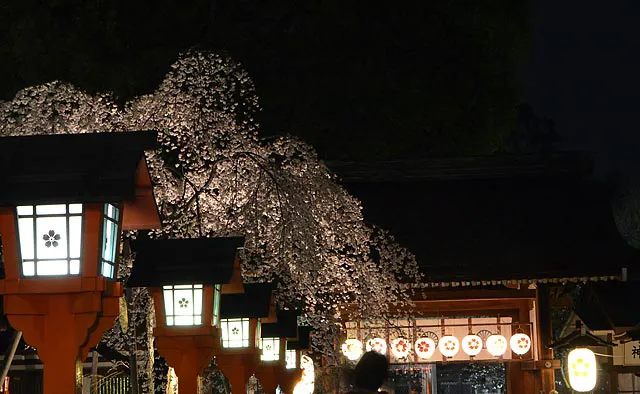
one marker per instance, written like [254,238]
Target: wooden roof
[183,261]
[483,221]
[72,168]
[253,303]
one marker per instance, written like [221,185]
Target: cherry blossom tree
[214,176]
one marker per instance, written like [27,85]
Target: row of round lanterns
[425,347]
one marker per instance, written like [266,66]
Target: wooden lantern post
[185,277]
[242,307]
[64,200]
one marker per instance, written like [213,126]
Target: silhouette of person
[370,373]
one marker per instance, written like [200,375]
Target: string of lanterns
[425,347]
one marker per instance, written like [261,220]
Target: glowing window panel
[110,234]
[291,359]
[235,332]
[183,305]
[50,238]
[270,349]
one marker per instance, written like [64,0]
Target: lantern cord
[607,355]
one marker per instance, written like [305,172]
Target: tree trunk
[8,357]
[94,371]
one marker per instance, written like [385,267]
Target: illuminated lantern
[472,345]
[496,345]
[352,349]
[449,346]
[185,278]
[425,347]
[377,345]
[64,202]
[520,343]
[400,348]
[582,370]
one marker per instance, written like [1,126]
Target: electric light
[306,383]
[449,346]
[582,370]
[425,347]
[520,343]
[472,345]
[352,349]
[400,347]
[496,345]
[377,345]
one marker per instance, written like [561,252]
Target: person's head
[371,371]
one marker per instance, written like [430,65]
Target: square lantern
[240,314]
[61,205]
[271,334]
[64,201]
[185,277]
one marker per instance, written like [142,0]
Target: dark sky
[584,74]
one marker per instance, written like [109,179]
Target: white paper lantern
[352,349]
[520,343]
[472,345]
[449,346]
[583,373]
[496,345]
[400,348]
[377,345]
[425,347]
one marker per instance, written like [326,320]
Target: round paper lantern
[472,345]
[352,349]
[377,345]
[400,348]
[425,347]
[520,343]
[496,345]
[582,370]
[449,346]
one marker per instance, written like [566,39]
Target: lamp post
[272,371]
[64,201]
[581,361]
[242,308]
[185,277]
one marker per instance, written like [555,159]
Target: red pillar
[59,327]
[238,368]
[188,350]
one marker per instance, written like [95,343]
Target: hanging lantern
[582,370]
[400,348]
[449,346]
[472,345]
[377,345]
[496,345]
[520,343]
[425,347]
[352,349]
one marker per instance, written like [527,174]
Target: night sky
[418,79]
[585,75]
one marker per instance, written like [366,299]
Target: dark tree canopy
[404,79]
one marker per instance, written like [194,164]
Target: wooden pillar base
[238,368]
[188,350]
[59,327]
